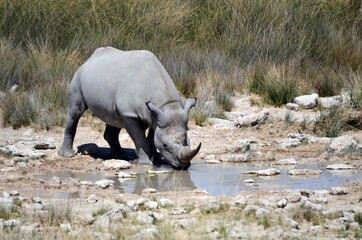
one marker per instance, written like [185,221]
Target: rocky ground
[265,137]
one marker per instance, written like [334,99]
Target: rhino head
[171,134]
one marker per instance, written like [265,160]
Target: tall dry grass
[308,45]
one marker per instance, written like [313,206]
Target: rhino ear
[153,109]
[189,103]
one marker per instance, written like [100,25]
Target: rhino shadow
[104,153]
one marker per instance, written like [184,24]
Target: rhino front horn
[188,154]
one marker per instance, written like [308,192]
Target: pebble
[264,172]
[149,190]
[105,183]
[338,191]
[340,167]
[304,172]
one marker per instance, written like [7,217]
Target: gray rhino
[131,90]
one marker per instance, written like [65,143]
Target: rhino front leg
[136,130]
[156,156]
[111,135]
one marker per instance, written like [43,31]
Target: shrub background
[275,48]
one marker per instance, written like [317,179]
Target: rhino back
[117,84]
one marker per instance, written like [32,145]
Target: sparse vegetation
[331,122]
[210,48]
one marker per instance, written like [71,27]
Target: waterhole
[218,179]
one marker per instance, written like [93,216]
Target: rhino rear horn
[153,109]
[188,154]
[189,103]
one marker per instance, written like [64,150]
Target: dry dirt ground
[264,139]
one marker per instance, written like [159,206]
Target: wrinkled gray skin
[131,90]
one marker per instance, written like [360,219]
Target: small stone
[92,198]
[287,161]
[178,211]
[116,164]
[338,191]
[144,218]
[264,172]
[312,206]
[282,203]
[125,175]
[57,180]
[86,183]
[295,198]
[210,157]
[151,205]
[340,167]
[14,193]
[307,101]
[249,180]
[105,183]
[213,161]
[164,202]
[292,106]
[149,190]
[304,172]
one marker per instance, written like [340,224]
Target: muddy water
[219,179]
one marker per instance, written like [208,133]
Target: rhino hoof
[66,153]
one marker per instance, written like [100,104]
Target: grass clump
[331,122]
[273,84]
[210,49]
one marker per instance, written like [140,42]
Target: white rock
[292,106]
[235,157]
[213,161]
[92,198]
[329,102]
[116,164]
[249,180]
[286,161]
[338,191]
[307,101]
[86,183]
[149,190]
[210,157]
[264,172]
[104,183]
[151,205]
[342,144]
[253,119]
[14,193]
[221,123]
[340,167]
[262,212]
[125,175]
[312,206]
[282,203]
[165,202]
[178,211]
[304,172]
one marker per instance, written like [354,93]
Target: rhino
[132,90]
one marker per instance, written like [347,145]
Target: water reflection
[222,179]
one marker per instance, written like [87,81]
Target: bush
[331,122]
[279,47]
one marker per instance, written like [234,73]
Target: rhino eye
[165,146]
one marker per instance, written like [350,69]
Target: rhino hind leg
[111,135]
[77,107]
